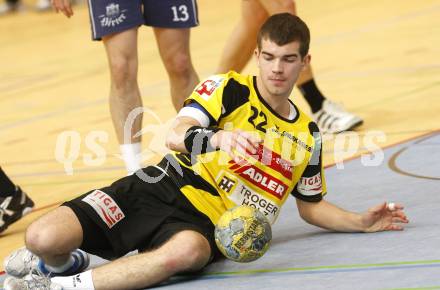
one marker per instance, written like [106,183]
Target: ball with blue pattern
[243,234]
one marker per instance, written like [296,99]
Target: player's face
[279,66]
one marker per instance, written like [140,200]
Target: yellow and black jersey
[287,162]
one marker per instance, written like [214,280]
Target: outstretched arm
[382,217]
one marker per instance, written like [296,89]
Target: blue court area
[306,257]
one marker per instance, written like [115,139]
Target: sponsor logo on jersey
[292,138]
[273,160]
[107,209]
[227,184]
[310,185]
[261,179]
[209,86]
[243,195]
[113,16]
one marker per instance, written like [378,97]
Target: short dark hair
[284,28]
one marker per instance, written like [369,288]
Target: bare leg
[54,236]
[185,251]
[122,57]
[241,43]
[173,47]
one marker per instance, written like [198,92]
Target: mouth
[277,81]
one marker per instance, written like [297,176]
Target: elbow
[170,142]
[305,216]
[308,215]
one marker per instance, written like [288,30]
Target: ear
[257,55]
[306,60]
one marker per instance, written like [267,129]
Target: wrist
[198,140]
[215,139]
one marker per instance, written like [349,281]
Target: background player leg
[10,6]
[241,43]
[14,203]
[173,44]
[125,96]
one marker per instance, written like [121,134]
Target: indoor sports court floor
[380,58]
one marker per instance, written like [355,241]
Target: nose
[277,66]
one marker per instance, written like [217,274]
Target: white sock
[131,153]
[81,281]
[62,268]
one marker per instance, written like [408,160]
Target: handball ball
[243,234]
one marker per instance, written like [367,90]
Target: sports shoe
[9,7]
[13,208]
[333,118]
[33,281]
[22,262]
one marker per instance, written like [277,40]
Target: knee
[286,6]
[255,20]
[289,7]
[190,256]
[40,239]
[123,71]
[179,65]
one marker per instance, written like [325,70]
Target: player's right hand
[236,143]
[64,6]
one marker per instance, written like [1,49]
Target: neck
[278,103]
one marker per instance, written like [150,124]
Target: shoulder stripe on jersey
[196,112]
[195,104]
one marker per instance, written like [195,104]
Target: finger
[243,146]
[253,140]
[394,206]
[233,150]
[238,158]
[400,220]
[243,142]
[394,227]
[252,137]
[398,206]
[399,213]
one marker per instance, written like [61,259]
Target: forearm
[331,217]
[176,137]
[187,136]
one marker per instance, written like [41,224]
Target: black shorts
[132,214]
[120,15]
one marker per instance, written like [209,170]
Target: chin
[277,91]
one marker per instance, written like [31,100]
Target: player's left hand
[384,217]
